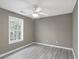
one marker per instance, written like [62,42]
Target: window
[15,29]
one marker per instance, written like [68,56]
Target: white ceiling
[49,7]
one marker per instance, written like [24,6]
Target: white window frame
[11,18]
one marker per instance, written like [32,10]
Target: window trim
[22,35]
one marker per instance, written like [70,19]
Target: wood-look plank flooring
[41,52]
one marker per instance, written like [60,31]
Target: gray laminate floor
[41,52]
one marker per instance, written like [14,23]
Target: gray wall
[4,38]
[75,29]
[56,30]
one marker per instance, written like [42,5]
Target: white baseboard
[45,44]
[74,54]
[57,47]
[4,54]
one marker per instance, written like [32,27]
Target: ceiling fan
[37,11]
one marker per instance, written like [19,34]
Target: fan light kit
[35,15]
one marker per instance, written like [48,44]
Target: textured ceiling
[49,7]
